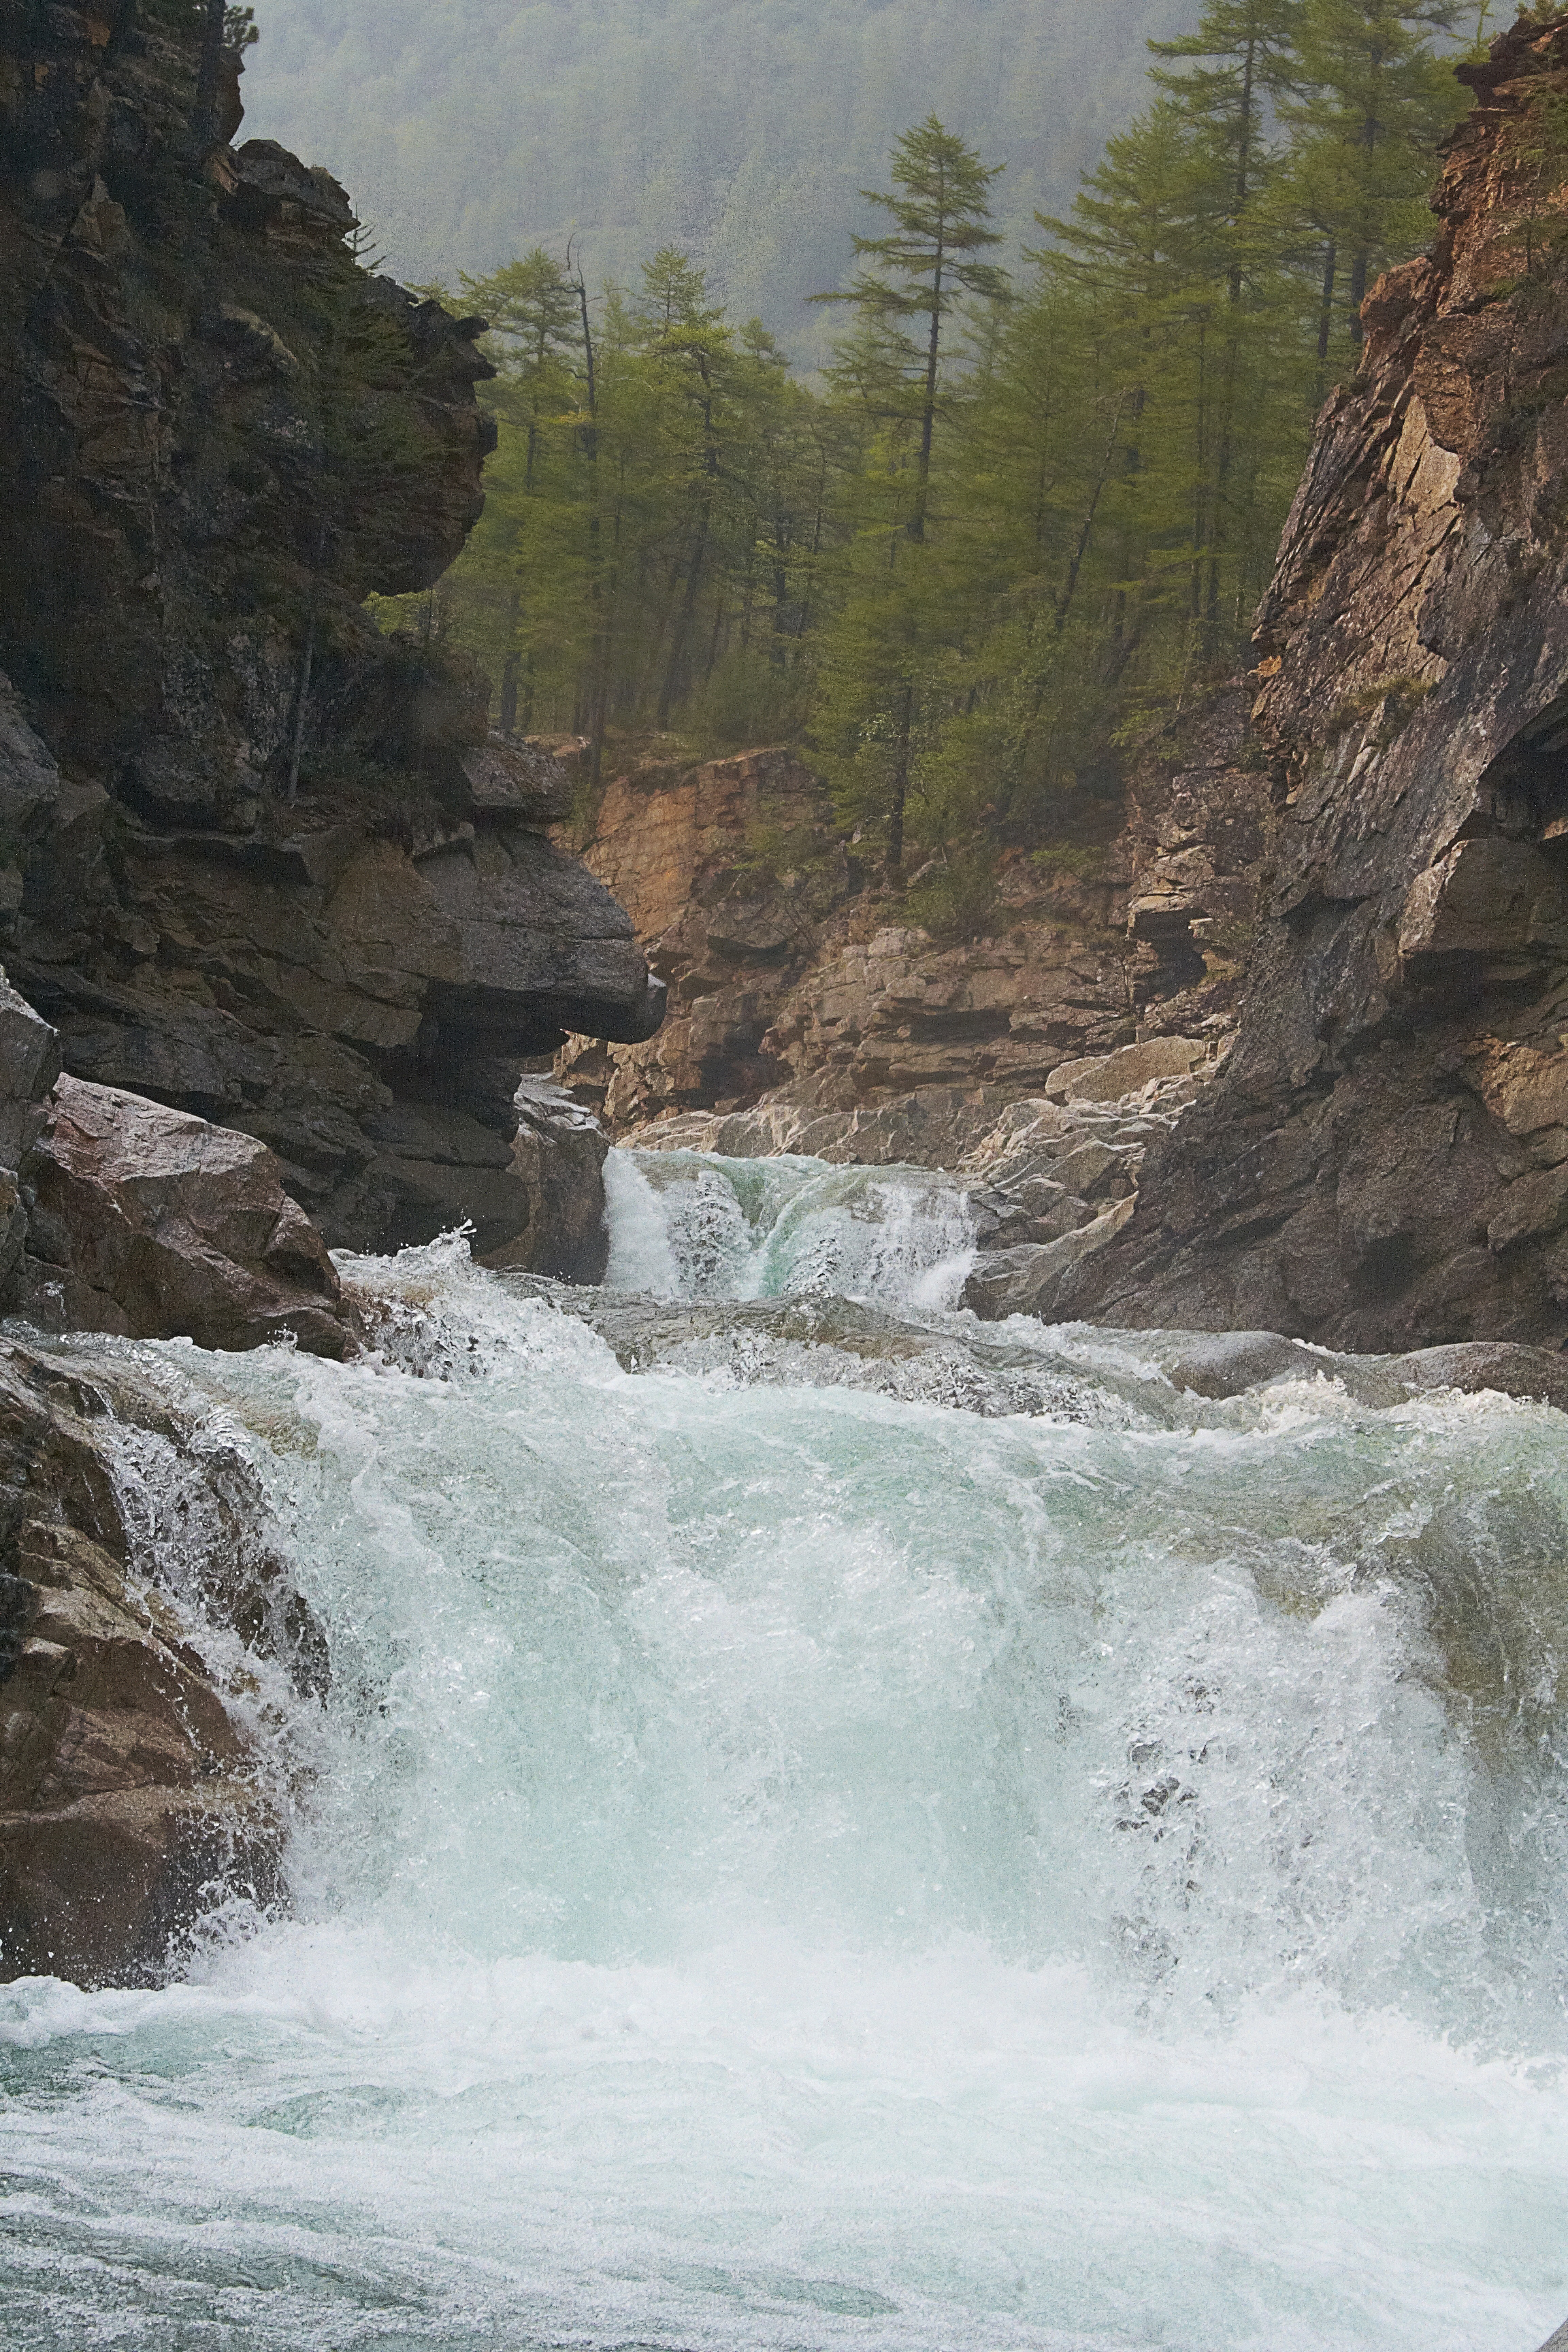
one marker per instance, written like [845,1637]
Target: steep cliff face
[730,873]
[795,984]
[256,861]
[1386,1160]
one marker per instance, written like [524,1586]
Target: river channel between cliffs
[837,1825]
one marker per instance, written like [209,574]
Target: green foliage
[956,897]
[1370,99]
[1393,700]
[1069,861]
[1019,520]
[1112,463]
[750,700]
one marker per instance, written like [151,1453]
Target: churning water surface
[787,1862]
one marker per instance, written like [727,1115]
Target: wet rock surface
[1143,1378]
[835,1343]
[1533,1373]
[257,861]
[558,1157]
[1380,1164]
[156,1226]
[149,1634]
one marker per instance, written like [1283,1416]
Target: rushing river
[864,1831]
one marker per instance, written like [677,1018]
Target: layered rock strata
[1385,1161]
[795,984]
[149,1636]
[259,862]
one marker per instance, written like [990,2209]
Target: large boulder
[29,1065]
[519,777]
[1027,1280]
[154,1225]
[1535,1374]
[1228,1362]
[29,791]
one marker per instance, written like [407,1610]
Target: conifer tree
[883,663]
[532,314]
[1372,98]
[1012,527]
[927,266]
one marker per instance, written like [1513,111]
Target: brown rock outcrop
[133,1794]
[1377,1167]
[558,1157]
[732,873]
[154,1225]
[1196,843]
[223,431]
[792,983]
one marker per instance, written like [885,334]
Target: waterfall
[790,1863]
[689,1225]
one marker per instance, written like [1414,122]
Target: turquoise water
[790,1864]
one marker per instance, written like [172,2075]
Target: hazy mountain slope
[739,128]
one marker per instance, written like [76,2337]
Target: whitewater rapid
[788,1862]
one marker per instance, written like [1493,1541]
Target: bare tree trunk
[928,411]
[683,622]
[510,668]
[598,684]
[1080,545]
[203,115]
[712,662]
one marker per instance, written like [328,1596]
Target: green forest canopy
[1021,517]
[740,130]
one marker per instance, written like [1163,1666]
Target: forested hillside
[737,129]
[1024,515]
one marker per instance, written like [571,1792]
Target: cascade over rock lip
[133,1794]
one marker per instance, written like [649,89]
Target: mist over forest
[738,130]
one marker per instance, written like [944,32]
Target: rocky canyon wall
[1384,1162]
[796,984]
[259,862]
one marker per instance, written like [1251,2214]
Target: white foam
[687,1224]
[797,1866]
